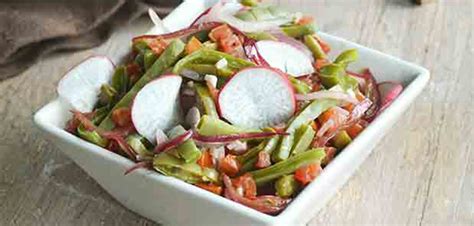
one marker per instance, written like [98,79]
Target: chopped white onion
[211,79]
[237,146]
[222,63]
[191,75]
[217,154]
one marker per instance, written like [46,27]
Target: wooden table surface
[422,173]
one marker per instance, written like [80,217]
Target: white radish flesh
[257,97]
[157,106]
[285,57]
[80,86]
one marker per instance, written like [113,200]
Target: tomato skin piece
[308,173]
[229,165]
[216,189]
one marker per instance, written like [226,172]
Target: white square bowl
[173,202]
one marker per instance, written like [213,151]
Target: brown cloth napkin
[30,29]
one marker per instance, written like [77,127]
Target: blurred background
[422,173]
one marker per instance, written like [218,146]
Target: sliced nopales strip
[257,97]
[285,57]
[80,86]
[156,106]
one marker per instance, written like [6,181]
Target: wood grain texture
[422,173]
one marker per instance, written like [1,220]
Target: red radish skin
[224,111]
[282,37]
[76,91]
[389,91]
[147,126]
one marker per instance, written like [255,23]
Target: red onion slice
[174,142]
[389,91]
[370,92]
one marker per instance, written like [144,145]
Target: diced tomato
[315,125]
[330,154]
[122,117]
[216,189]
[220,32]
[308,173]
[157,45]
[246,184]
[263,160]
[316,87]
[134,71]
[230,44]
[349,107]
[354,130]
[193,45]
[305,20]
[229,165]
[227,41]
[205,160]
[334,115]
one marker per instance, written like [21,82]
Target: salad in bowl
[244,103]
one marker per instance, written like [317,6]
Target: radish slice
[80,86]
[257,97]
[388,92]
[282,37]
[157,106]
[285,57]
